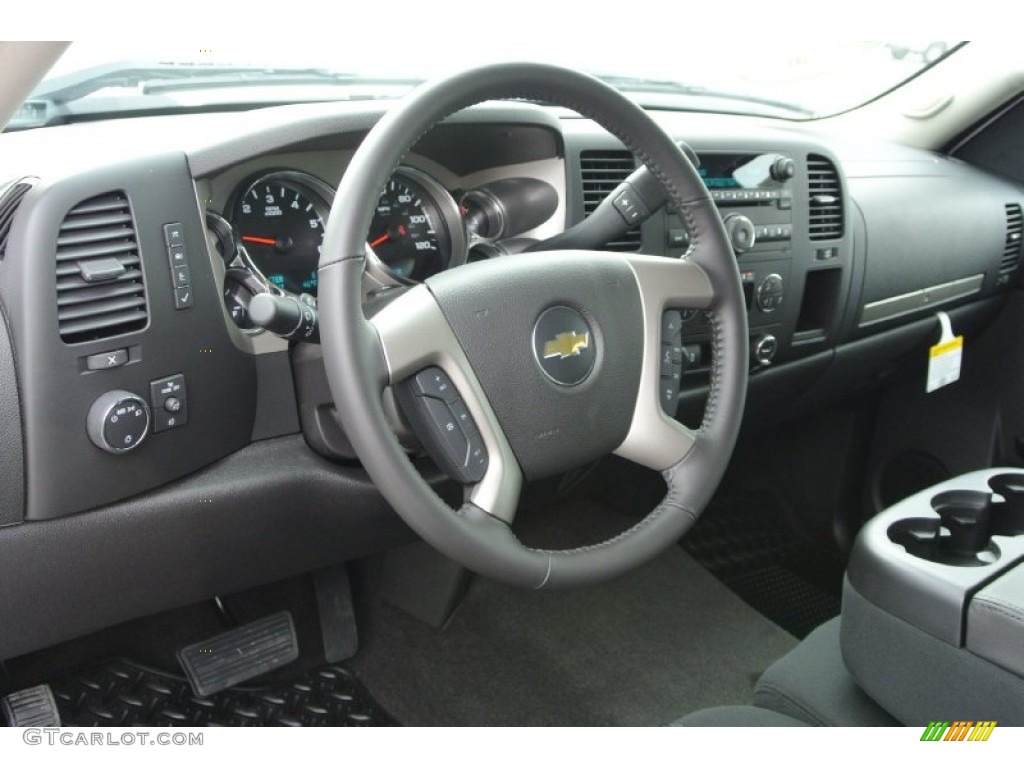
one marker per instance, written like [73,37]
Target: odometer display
[408,233]
[280,219]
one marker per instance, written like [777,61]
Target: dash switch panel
[170,402]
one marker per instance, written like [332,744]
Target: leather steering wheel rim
[363,357]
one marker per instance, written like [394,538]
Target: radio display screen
[728,171]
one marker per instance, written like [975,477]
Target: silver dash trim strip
[907,303]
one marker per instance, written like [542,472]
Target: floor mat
[120,693]
[745,543]
[665,640]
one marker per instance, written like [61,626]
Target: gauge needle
[259,240]
[399,230]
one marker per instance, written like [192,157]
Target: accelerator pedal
[30,708]
[240,654]
[337,617]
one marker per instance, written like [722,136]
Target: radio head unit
[755,191]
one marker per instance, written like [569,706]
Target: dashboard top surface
[218,140]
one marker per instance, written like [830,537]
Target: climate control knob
[741,232]
[118,421]
[769,293]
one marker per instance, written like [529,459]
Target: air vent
[1014,237]
[825,221]
[99,274]
[602,171]
[9,203]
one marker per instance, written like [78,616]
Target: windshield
[796,81]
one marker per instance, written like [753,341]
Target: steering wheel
[555,355]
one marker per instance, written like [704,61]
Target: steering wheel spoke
[414,335]
[655,439]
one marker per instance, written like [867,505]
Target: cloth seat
[811,683]
[737,717]
[808,686]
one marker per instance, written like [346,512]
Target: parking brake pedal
[30,708]
[240,654]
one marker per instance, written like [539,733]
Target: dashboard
[139,391]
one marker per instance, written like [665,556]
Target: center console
[933,605]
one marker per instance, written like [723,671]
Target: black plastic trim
[271,510]
[276,411]
[65,472]
[12,455]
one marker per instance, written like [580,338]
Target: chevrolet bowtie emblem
[566,344]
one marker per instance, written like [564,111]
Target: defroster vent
[602,171]
[1014,238]
[100,292]
[825,220]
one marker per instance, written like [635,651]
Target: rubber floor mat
[746,544]
[120,693]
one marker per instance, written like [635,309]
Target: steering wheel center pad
[494,307]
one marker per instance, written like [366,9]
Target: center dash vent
[601,172]
[100,292]
[1014,237]
[825,220]
[9,203]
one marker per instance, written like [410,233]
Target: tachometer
[416,230]
[280,219]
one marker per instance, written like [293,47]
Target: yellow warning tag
[944,358]
[945,348]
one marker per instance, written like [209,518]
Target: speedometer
[279,217]
[416,230]
[280,220]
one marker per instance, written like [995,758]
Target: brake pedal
[240,654]
[30,708]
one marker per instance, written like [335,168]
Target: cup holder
[962,534]
[1008,515]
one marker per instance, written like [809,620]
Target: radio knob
[783,169]
[741,232]
[118,421]
[765,349]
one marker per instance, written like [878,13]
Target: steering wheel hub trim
[564,345]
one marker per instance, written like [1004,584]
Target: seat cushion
[737,717]
[811,683]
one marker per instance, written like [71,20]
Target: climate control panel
[769,293]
